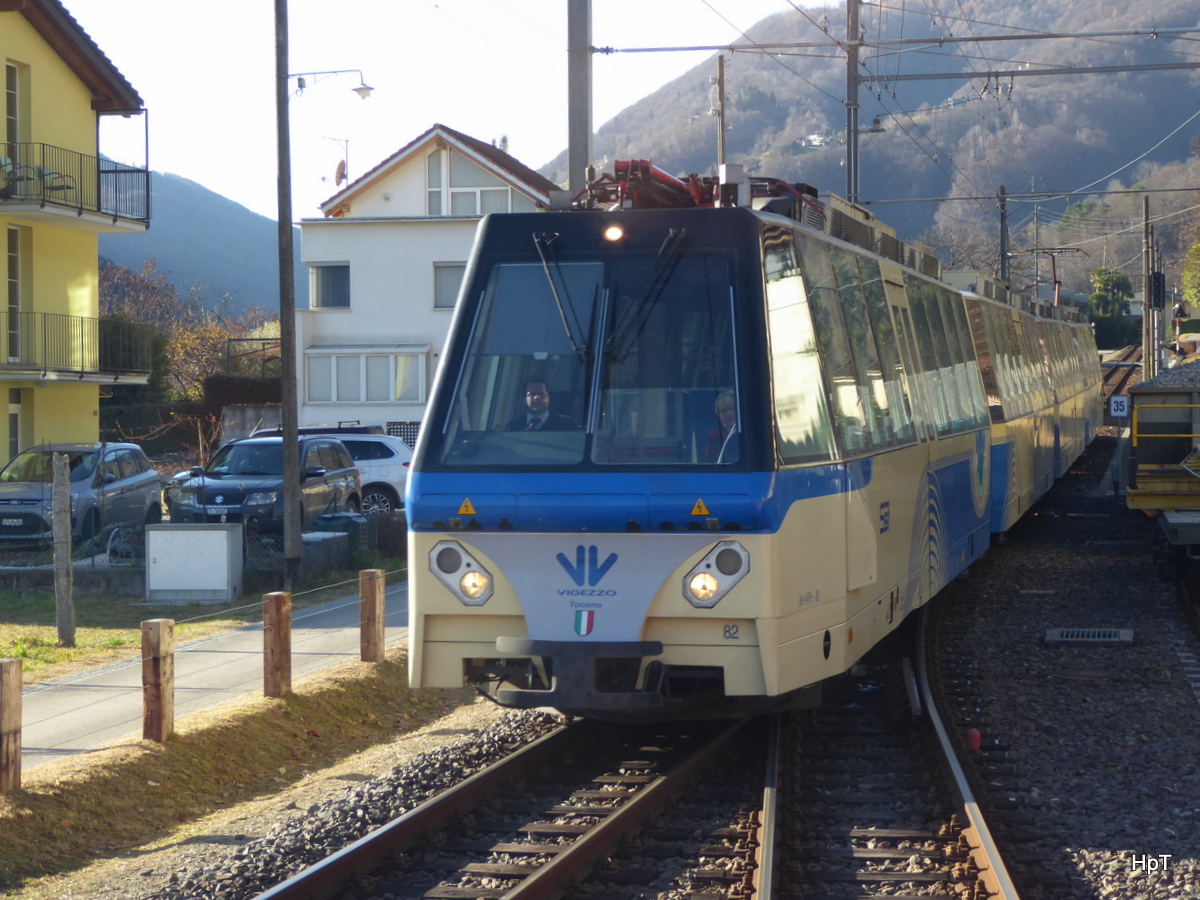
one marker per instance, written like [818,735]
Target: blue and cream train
[650,559]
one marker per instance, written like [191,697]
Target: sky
[488,68]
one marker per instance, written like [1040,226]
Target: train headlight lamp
[703,587]
[716,574]
[465,578]
[613,233]
[474,585]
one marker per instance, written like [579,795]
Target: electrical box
[193,563]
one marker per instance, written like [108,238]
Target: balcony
[55,347]
[48,183]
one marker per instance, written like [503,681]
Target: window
[447,278]
[375,376]
[459,186]
[331,287]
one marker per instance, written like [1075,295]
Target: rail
[54,176]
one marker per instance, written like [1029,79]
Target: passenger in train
[722,443]
[537,415]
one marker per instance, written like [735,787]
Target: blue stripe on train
[604,502]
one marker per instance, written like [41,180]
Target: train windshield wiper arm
[633,319]
[543,242]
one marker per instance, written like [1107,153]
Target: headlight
[715,576]
[261,498]
[454,567]
[185,500]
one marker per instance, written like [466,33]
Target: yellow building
[56,196]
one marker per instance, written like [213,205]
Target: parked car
[110,484]
[244,483]
[382,461]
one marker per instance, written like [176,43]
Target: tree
[1112,292]
[1190,278]
[196,337]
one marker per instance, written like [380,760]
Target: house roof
[111,92]
[487,155]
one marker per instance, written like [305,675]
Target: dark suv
[244,483]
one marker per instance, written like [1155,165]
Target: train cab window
[532,324]
[668,354]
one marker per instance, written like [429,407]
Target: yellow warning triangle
[700,509]
[466,509]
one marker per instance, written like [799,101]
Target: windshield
[38,466]
[247,459]
[621,358]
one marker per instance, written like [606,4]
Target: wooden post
[371,593]
[60,530]
[158,679]
[10,725]
[277,644]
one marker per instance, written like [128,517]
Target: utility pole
[721,109]
[852,46]
[1149,369]
[579,93]
[1003,236]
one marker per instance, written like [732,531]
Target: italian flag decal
[585,621]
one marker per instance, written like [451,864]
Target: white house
[385,266]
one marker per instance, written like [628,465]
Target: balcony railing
[77,345]
[52,176]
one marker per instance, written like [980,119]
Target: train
[767,433]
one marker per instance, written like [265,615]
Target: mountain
[198,237]
[950,137]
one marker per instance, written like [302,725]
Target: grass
[111,802]
[121,799]
[108,627]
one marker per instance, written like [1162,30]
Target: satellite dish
[340,175]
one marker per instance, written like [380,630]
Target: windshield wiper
[633,320]
[543,242]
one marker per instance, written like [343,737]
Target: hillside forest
[1076,153]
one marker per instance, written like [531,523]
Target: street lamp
[363,90]
[289,407]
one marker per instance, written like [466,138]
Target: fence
[158,675]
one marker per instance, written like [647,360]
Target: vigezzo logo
[590,569]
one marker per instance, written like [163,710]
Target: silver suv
[110,484]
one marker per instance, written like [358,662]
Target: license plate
[12,523]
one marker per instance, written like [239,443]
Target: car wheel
[378,499]
[91,527]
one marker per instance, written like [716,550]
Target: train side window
[985,351]
[802,420]
[931,365]
[872,395]
[899,404]
[825,303]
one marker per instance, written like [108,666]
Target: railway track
[847,800]
[1123,369]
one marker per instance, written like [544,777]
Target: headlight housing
[185,500]
[716,574]
[465,578]
[261,498]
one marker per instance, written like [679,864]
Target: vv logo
[592,568]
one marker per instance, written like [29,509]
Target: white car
[383,463]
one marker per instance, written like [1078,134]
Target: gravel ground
[1104,735]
